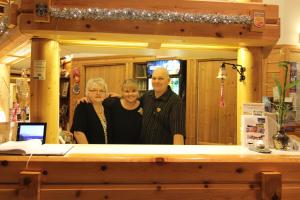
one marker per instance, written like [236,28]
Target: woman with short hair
[89,121]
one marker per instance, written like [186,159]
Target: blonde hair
[94,82]
[129,83]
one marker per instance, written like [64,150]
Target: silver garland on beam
[145,15]
[3,25]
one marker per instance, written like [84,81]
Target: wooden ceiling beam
[221,33]
[163,32]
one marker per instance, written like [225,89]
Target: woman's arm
[80,137]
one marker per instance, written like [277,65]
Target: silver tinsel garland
[3,25]
[146,15]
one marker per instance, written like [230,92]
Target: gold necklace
[102,119]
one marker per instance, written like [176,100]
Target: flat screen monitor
[30,130]
[173,66]
[174,84]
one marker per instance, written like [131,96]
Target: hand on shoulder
[83,100]
[114,94]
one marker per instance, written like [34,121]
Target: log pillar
[44,86]
[250,90]
[4,96]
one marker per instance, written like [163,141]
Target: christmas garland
[130,14]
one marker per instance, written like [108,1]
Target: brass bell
[222,73]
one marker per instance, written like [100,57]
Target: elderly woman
[89,122]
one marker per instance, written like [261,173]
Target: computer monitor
[174,84]
[31,130]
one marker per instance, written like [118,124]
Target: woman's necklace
[129,106]
[99,111]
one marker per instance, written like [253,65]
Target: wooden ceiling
[153,33]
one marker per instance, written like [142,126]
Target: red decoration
[222,101]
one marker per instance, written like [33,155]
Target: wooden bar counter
[152,172]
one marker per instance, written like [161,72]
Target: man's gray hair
[95,82]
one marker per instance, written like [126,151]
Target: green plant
[280,106]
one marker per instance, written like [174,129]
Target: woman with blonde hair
[125,114]
[89,121]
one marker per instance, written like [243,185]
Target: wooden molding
[30,185]
[12,16]
[271,185]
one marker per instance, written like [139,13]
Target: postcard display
[256,128]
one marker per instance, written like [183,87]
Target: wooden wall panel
[271,68]
[191,102]
[216,125]
[294,55]
[114,75]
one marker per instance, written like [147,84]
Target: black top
[87,121]
[123,125]
[162,118]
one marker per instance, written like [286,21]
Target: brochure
[255,131]
[34,147]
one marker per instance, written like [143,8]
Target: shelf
[141,77]
[140,70]
[67,78]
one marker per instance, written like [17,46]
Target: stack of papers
[34,147]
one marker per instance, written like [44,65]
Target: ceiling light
[8,59]
[23,52]
[195,46]
[105,43]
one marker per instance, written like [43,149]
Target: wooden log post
[249,90]
[4,97]
[44,85]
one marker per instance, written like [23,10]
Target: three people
[157,120]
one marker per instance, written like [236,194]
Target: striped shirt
[162,118]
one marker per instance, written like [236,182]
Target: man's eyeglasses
[97,91]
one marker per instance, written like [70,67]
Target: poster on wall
[39,69]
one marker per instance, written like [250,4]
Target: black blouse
[123,125]
[87,121]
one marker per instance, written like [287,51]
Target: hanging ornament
[222,101]
[222,77]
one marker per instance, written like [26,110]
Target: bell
[222,73]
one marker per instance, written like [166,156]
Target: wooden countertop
[169,153]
